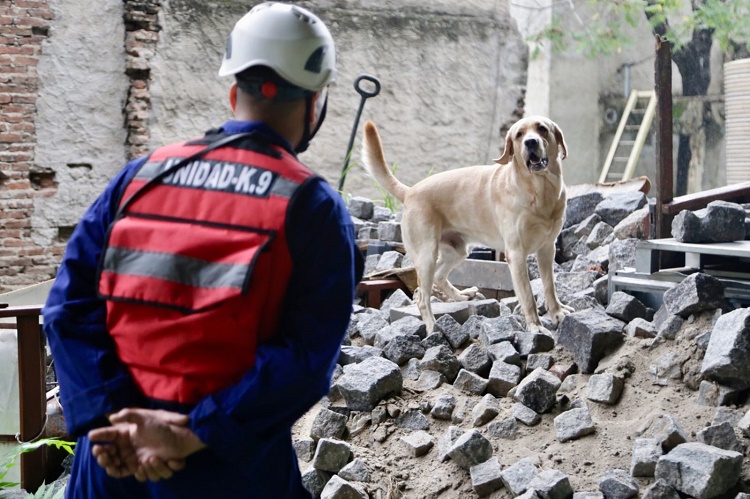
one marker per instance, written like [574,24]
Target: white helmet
[292,41]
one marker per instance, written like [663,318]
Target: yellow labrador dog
[517,207]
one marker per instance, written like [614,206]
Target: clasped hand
[144,443]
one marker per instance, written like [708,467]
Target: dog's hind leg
[453,251]
[545,258]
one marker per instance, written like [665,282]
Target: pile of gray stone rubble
[456,399]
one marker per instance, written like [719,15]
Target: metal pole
[664,164]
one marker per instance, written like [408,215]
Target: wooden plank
[701,199]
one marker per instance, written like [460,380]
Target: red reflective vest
[196,267]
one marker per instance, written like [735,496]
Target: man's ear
[507,156]
[233,97]
[314,111]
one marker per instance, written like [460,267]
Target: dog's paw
[470,292]
[559,314]
[538,328]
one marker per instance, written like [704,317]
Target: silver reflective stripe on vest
[175,268]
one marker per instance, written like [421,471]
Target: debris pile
[621,401]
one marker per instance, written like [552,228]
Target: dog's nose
[531,143]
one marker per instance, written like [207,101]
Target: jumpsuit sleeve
[292,373]
[93,381]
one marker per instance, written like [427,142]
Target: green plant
[46,491]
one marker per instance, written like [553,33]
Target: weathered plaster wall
[80,133]
[451,74]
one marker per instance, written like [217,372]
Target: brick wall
[24,25]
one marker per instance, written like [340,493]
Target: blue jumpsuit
[247,426]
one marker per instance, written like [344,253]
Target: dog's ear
[508,152]
[560,140]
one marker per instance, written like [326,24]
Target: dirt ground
[395,473]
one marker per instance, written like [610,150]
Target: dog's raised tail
[374,160]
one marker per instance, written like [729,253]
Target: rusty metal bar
[664,163]
[31,391]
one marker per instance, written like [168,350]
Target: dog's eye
[519,134]
[542,129]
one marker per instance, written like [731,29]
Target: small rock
[486,477]
[419,443]
[574,424]
[617,483]
[485,410]
[470,449]
[646,453]
[331,455]
[519,475]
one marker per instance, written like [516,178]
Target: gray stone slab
[365,384]
[700,470]
[726,357]
[460,311]
[589,336]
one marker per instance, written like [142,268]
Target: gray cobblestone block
[599,233]
[367,231]
[587,225]
[413,419]
[604,388]
[667,432]
[452,330]
[489,308]
[411,370]
[636,225]
[429,380]
[542,360]
[474,325]
[409,326]
[626,307]
[328,424]
[475,359]
[614,208]
[470,449]
[305,449]
[389,231]
[389,260]
[744,424]
[589,336]
[370,326]
[435,340]
[354,355]
[402,348]
[670,327]
[418,443]
[443,407]
[581,207]
[696,293]
[700,470]
[640,328]
[660,489]
[500,329]
[485,410]
[502,378]
[441,359]
[355,471]
[504,352]
[646,453]
[506,428]
[331,455]
[525,415]
[486,477]
[722,436]
[621,254]
[537,390]
[519,475]
[588,495]
[446,441]
[725,360]
[314,481]
[617,483]
[365,384]
[469,382]
[574,424]
[552,484]
[719,222]
[527,343]
[397,299]
[361,208]
[338,488]
[381,214]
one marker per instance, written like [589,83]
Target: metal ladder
[630,126]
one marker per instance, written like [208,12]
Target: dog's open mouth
[536,163]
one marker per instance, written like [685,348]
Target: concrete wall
[452,75]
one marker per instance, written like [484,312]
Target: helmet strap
[308,135]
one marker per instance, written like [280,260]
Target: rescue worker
[203,297]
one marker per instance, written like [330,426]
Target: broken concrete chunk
[486,477]
[365,384]
[700,470]
[537,390]
[574,424]
[470,449]
[418,443]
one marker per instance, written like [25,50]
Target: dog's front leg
[545,258]
[520,275]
